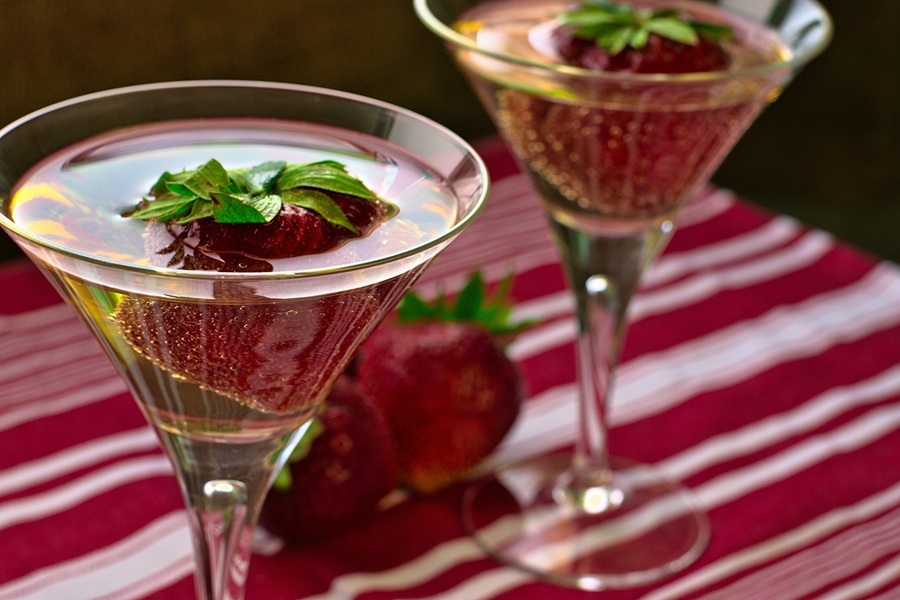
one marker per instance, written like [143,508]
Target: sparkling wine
[612,150]
[224,356]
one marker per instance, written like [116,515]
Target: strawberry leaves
[615,27]
[253,195]
[473,305]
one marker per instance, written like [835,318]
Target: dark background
[827,152]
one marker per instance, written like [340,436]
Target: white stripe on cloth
[72,398]
[807,572]
[151,559]
[690,290]
[652,383]
[73,493]
[547,423]
[861,587]
[36,319]
[76,458]
[806,535]
[764,239]
[512,234]
[29,351]
[809,249]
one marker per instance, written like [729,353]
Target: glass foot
[637,529]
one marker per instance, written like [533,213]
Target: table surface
[762,368]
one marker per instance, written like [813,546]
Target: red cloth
[762,367]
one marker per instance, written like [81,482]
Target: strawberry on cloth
[441,377]
[344,465]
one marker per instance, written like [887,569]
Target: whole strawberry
[440,376]
[337,479]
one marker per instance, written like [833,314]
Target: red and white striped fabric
[762,367]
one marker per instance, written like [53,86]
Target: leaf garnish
[244,208]
[320,203]
[251,195]
[615,27]
[326,175]
[261,178]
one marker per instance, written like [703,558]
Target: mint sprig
[254,195]
[615,27]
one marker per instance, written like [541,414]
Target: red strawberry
[337,480]
[295,231]
[660,55]
[273,210]
[448,390]
[616,161]
[277,357]
[619,37]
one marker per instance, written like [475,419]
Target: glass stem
[224,486]
[603,269]
[224,531]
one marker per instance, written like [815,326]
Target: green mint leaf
[712,31]
[261,178]
[617,40]
[328,176]
[238,177]
[159,188]
[164,209]
[243,208]
[593,18]
[210,178]
[268,205]
[200,210]
[664,13]
[674,29]
[608,7]
[615,27]
[180,189]
[640,37]
[320,203]
[251,195]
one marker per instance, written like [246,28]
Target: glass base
[638,528]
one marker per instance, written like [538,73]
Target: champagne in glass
[619,112]
[229,331]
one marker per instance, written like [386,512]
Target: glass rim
[450,35]
[465,148]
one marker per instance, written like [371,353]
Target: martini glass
[614,157]
[228,367]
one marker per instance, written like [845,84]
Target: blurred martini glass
[614,156]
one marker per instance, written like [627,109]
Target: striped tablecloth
[762,367]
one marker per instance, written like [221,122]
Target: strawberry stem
[473,305]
